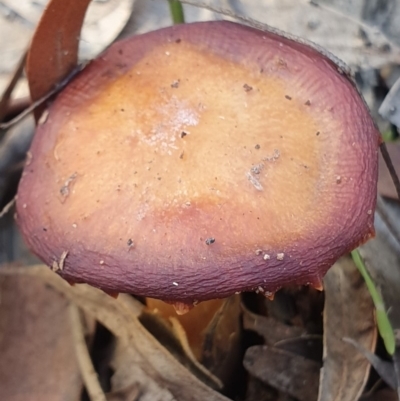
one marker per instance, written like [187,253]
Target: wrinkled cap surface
[200,160]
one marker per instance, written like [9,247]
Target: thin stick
[87,370]
[389,164]
[7,207]
[38,102]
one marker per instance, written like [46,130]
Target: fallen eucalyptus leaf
[37,351]
[271,329]
[385,369]
[382,395]
[289,373]
[173,339]
[308,346]
[349,312]
[120,316]
[130,379]
[222,352]
[88,373]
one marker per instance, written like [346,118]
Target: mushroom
[201,160]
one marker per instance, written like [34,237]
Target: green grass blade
[384,326]
[176,10]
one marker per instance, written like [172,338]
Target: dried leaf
[382,395]
[349,312]
[308,346]
[221,351]
[385,369]
[270,328]
[86,367]
[120,316]
[193,322]
[173,339]
[37,352]
[289,373]
[130,380]
[53,54]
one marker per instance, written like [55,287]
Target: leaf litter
[143,368]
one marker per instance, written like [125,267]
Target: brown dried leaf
[221,351]
[289,373]
[193,322]
[88,373]
[308,346]
[209,333]
[53,54]
[385,369]
[37,352]
[382,395]
[270,328]
[129,379]
[175,341]
[120,316]
[349,312]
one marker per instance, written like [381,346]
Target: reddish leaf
[54,50]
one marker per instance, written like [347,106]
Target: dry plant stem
[88,372]
[7,207]
[392,171]
[40,101]
[120,316]
[11,85]
[17,106]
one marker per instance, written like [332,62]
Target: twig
[38,102]
[87,370]
[7,207]
[16,106]
[392,171]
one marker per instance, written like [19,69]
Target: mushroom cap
[200,160]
